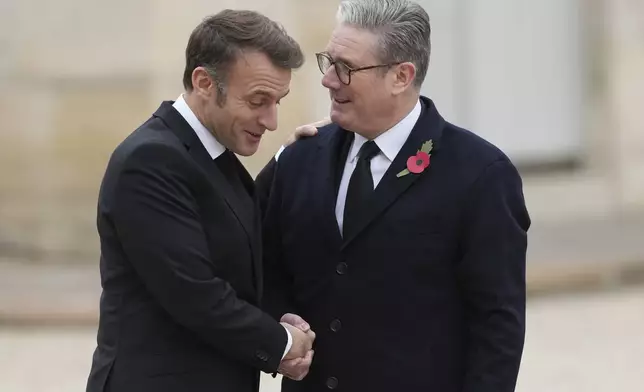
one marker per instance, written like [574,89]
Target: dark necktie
[360,188]
[228,167]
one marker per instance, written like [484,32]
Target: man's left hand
[298,368]
[306,131]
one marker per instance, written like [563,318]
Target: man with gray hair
[399,237]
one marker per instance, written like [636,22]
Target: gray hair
[402,27]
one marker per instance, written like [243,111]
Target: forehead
[254,71]
[354,45]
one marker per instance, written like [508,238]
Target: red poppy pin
[418,163]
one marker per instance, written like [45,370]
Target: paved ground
[577,343]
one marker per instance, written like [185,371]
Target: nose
[268,118]
[330,79]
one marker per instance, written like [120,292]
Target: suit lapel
[254,216]
[429,126]
[333,148]
[179,126]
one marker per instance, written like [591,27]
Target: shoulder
[150,145]
[303,150]
[311,143]
[151,157]
[470,152]
[470,148]
[149,153]
[472,161]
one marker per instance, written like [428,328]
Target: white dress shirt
[390,142]
[215,149]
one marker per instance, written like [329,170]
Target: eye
[342,67]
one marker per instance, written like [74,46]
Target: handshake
[295,364]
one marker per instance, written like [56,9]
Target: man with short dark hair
[181,254]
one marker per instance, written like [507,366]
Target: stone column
[25,108]
[625,77]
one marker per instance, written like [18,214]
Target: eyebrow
[270,95]
[350,63]
[341,59]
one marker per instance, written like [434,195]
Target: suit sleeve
[492,278]
[277,279]
[157,221]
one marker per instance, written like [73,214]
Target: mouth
[341,101]
[255,135]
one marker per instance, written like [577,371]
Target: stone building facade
[77,76]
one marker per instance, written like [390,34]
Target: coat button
[332,383]
[341,268]
[262,355]
[335,325]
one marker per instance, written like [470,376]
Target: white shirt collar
[391,141]
[214,148]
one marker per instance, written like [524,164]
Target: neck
[197,108]
[401,109]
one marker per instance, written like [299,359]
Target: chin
[247,151]
[341,120]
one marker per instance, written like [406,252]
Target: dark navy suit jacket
[430,294]
[181,270]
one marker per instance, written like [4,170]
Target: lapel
[333,148]
[429,126]
[255,217]
[188,137]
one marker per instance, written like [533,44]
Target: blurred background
[557,84]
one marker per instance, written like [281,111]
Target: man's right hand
[302,342]
[297,361]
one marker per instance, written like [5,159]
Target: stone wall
[77,76]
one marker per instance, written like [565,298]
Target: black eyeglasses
[341,69]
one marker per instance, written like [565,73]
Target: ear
[404,75]
[202,83]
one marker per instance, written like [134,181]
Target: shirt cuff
[278,155]
[289,343]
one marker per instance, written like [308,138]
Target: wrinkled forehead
[352,45]
[255,70]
